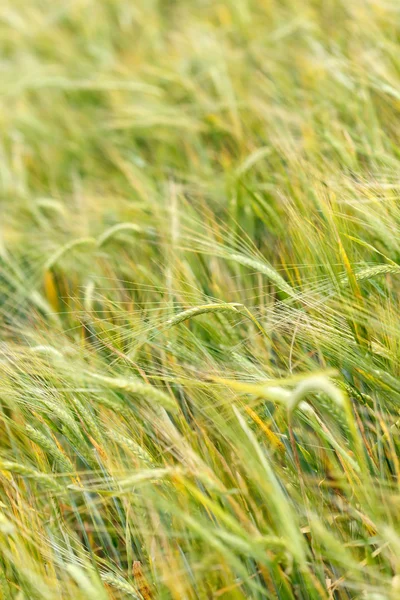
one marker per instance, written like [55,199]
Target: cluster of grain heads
[298,399]
[51,448]
[101,241]
[145,391]
[47,482]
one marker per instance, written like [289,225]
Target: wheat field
[199,299]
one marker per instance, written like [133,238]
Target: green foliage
[199,299]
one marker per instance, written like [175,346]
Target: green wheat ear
[370,272]
[137,388]
[108,234]
[263,268]
[49,446]
[190,313]
[43,479]
[215,308]
[68,247]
